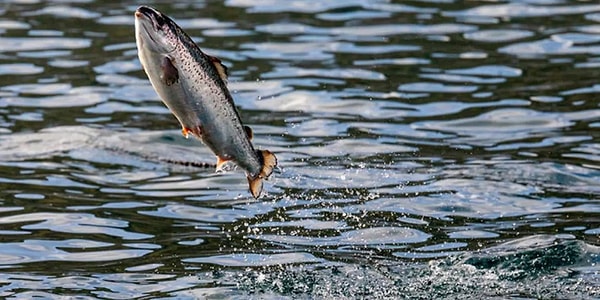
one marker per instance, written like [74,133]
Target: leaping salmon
[192,85]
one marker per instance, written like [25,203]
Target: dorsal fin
[249,132]
[221,68]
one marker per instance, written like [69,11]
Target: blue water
[427,150]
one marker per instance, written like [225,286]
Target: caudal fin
[269,161]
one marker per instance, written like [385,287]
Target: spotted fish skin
[193,86]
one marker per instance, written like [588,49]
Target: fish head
[155,31]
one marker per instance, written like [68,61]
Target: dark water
[428,150]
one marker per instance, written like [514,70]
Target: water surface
[427,150]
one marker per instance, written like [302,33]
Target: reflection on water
[427,149]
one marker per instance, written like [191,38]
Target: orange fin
[256,186]
[186,132]
[220,163]
[249,132]
[269,161]
[221,68]
[197,131]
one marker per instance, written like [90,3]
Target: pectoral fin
[186,132]
[197,131]
[169,75]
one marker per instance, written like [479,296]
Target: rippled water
[427,150]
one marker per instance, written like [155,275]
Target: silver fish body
[192,85]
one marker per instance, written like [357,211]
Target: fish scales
[192,85]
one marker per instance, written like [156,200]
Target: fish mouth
[155,17]
[150,24]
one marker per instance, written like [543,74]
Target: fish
[193,86]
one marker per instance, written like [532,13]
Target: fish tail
[268,162]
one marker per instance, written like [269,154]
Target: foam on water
[427,150]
